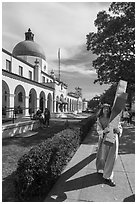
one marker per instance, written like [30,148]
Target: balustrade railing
[12,114]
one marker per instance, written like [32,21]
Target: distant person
[126,116]
[38,116]
[106,155]
[30,112]
[41,119]
[46,117]
[130,116]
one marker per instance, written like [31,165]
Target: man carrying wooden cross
[109,130]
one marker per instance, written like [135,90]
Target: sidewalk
[79,181]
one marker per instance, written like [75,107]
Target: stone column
[45,103]
[58,108]
[65,108]
[54,106]
[78,106]
[38,104]
[69,106]
[11,105]
[27,106]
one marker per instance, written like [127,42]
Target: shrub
[86,125]
[38,170]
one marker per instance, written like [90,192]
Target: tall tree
[94,102]
[106,97]
[114,44]
[109,95]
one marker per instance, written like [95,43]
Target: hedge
[39,169]
[85,126]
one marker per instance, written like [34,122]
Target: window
[30,75]
[8,65]
[20,71]
[43,79]
[47,80]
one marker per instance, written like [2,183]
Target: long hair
[100,113]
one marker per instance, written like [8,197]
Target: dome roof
[28,47]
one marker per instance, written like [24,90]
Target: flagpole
[59,62]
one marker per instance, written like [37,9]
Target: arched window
[30,96]
[20,97]
[5,95]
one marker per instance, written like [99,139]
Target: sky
[57,25]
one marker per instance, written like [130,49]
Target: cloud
[78,69]
[78,55]
[90,95]
[79,60]
[56,25]
[86,82]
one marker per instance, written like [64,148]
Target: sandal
[110,182]
[100,173]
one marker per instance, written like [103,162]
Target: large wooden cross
[118,106]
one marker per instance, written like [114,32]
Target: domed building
[27,86]
[28,48]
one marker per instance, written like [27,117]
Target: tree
[109,95]
[114,45]
[94,102]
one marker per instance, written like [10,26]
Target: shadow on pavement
[130,198]
[127,146]
[77,183]
[91,139]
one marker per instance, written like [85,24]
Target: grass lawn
[14,148]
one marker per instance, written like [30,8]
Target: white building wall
[74,104]
[46,78]
[44,66]
[13,83]
[80,105]
[60,91]
[15,63]
[4,58]
[15,68]
[31,59]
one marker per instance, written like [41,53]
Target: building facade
[27,86]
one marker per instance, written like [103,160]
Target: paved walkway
[79,181]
